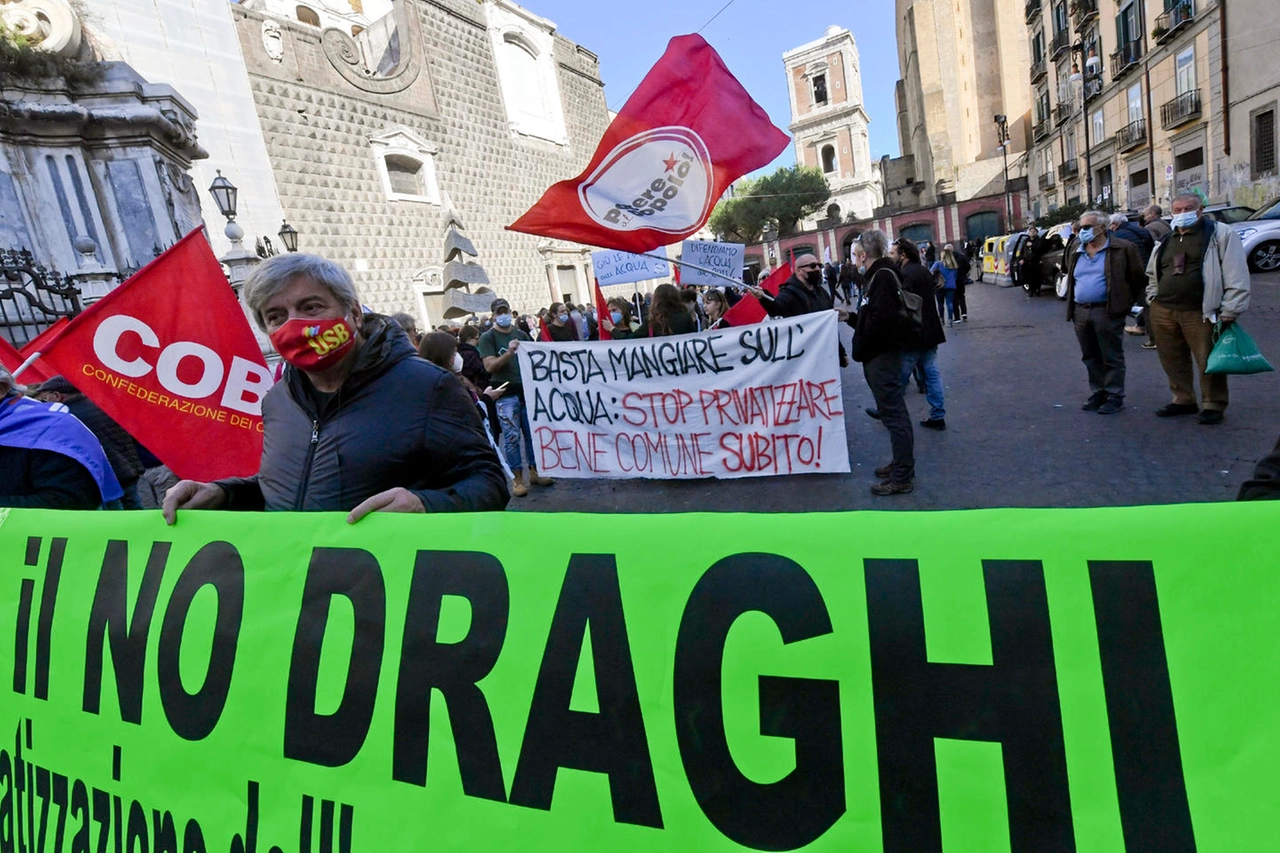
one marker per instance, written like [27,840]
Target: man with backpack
[881,333]
[923,350]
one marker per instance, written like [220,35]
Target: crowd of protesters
[401,421]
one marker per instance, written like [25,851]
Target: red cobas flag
[686,134]
[38,370]
[169,354]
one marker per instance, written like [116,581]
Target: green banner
[1096,680]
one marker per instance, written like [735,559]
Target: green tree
[781,199]
[1070,213]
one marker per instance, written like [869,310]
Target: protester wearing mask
[358,422]
[560,327]
[803,293]
[1104,280]
[618,323]
[1196,277]
[500,347]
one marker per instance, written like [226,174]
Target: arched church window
[308,16]
[828,158]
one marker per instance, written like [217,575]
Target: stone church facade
[378,129]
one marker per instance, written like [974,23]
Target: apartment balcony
[1082,12]
[1131,135]
[1092,87]
[1070,169]
[1039,69]
[1182,109]
[1061,43]
[1033,9]
[1126,58]
[1174,18]
[1062,113]
[1041,130]
[1047,181]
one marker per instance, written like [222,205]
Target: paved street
[1016,435]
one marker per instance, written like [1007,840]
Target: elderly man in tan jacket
[1196,277]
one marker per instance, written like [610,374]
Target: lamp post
[1002,127]
[1078,47]
[289,236]
[239,260]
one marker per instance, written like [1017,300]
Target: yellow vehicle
[993,256]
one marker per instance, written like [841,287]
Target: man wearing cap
[498,347]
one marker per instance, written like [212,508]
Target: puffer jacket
[398,420]
[1224,270]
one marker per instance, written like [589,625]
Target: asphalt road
[1016,435]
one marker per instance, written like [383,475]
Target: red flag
[9,357]
[687,133]
[602,313]
[170,356]
[748,310]
[544,334]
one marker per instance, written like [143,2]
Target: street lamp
[289,236]
[1002,126]
[224,195]
[1078,47]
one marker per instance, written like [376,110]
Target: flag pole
[21,367]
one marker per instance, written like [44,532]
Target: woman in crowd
[441,349]
[944,272]
[559,327]
[667,315]
[716,305]
[618,323]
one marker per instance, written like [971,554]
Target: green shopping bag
[1235,352]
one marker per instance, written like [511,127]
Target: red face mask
[313,345]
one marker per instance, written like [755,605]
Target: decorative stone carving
[272,41]
[52,22]
[344,54]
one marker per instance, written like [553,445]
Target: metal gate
[32,297]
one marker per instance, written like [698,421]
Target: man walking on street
[499,348]
[1196,278]
[1103,281]
[922,352]
[880,336]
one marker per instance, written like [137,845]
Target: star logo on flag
[671,161]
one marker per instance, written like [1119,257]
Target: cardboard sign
[723,258]
[613,267]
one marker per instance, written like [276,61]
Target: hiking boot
[881,490]
[518,487]
[538,480]
[1172,410]
[884,471]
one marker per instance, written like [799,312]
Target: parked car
[1229,213]
[1260,234]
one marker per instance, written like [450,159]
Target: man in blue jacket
[358,423]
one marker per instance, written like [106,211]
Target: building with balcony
[1136,104]
[1249,176]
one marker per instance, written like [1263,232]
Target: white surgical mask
[1184,220]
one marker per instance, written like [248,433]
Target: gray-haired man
[358,423]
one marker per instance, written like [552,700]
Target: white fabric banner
[754,401]
[613,267]
[724,258]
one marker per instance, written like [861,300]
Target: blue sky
[750,35]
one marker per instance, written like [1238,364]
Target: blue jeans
[947,300]
[514,420]
[928,361]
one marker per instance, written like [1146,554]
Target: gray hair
[275,274]
[1191,197]
[1118,219]
[1098,217]
[875,243]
